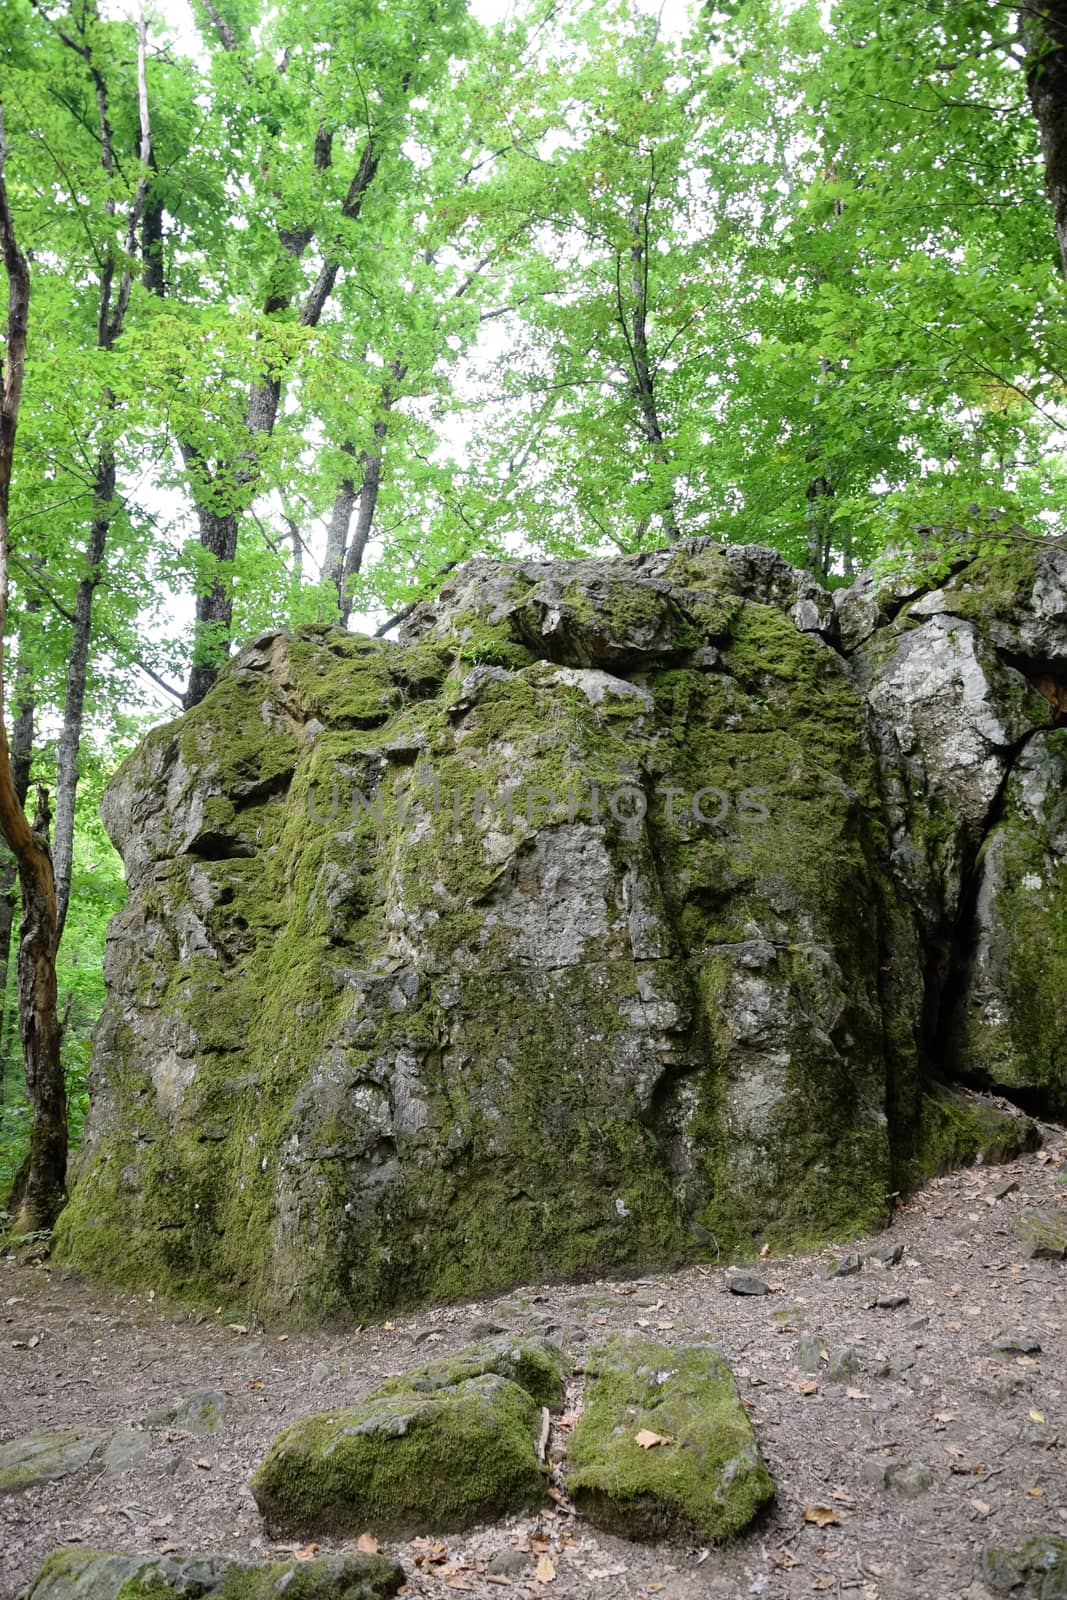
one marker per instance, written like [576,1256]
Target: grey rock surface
[610,916]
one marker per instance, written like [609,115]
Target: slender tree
[41,1185]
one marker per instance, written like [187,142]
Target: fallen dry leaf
[1036,1416]
[368,1544]
[306,1552]
[546,1570]
[822,1516]
[808,1386]
[648,1440]
[980,1506]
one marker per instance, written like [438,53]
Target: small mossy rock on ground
[959,1128]
[706,1479]
[43,1457]
[1034,1570]
[444,1447]
[536,1365]
[1042,1234]
[77,1574]
[201,1412]
[598,922]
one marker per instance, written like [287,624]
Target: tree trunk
[214,606]
[365,509]
[40,1186]
[820,492]
[74,699]
[1044,26]
[21,755]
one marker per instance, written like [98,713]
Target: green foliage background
[789,277]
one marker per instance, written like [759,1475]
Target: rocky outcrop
[623,911]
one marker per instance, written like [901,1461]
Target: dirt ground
[925,1387]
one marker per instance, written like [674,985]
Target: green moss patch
[664,1446]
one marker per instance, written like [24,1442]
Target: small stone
[193,1413]
[809,1355]
[911,1480]
[846,1267]
[487,1328]
[509,1563]
[1017,1344]
[890,1302]
[320,1373]
[746,1283]
[125,1449]
[889,1255]
[1007,1188]
[905,1478]
[1042,1234]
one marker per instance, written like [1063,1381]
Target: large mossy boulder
[611,917]
[79,1574]
[449,1445]
[664,1446]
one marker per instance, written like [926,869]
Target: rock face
[621,912]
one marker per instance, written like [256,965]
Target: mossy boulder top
[610,917]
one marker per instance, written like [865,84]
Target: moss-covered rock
[664,1446]
[79,1574]
[1042,1234]
[960,1128]
[603,921]
[1036,1569]
[536,1365]
[408,1460]
[1010,1026]
[43,1457]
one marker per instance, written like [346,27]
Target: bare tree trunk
[40,1186]
[820,492]
[21,757]
[111,317]
[218,534]
[74,702]
[214,606]
[1044,26]
[635,331]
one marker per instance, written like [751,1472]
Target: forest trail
[980,1433]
